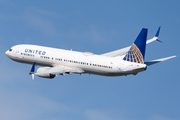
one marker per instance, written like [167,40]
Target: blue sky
[97,26]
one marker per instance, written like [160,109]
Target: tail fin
[137,51]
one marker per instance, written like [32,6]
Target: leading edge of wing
[122,51]
[148,63]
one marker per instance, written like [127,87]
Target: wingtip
[174,56]
[32,76]
[159,60]
[167,58]
[157,33]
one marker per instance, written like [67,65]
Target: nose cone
[6,52]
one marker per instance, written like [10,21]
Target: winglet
[155,38]
[157,33]
[32,70]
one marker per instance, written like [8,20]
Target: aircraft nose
[7,52]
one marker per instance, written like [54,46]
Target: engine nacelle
[50,76]
[43,70]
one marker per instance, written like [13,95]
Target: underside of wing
[60,69]
[51,72]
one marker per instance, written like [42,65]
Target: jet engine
[43,71]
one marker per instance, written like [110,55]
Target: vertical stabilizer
[137,51]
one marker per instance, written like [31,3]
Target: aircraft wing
[58,69]
[117,52]
[158,60]
[55,70]
[124,50]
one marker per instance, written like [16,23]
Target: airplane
[122,62]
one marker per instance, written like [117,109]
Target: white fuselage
[85,62]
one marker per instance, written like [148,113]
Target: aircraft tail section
[137,51]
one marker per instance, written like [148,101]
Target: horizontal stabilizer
[158,60]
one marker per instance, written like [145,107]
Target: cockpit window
[10,50]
